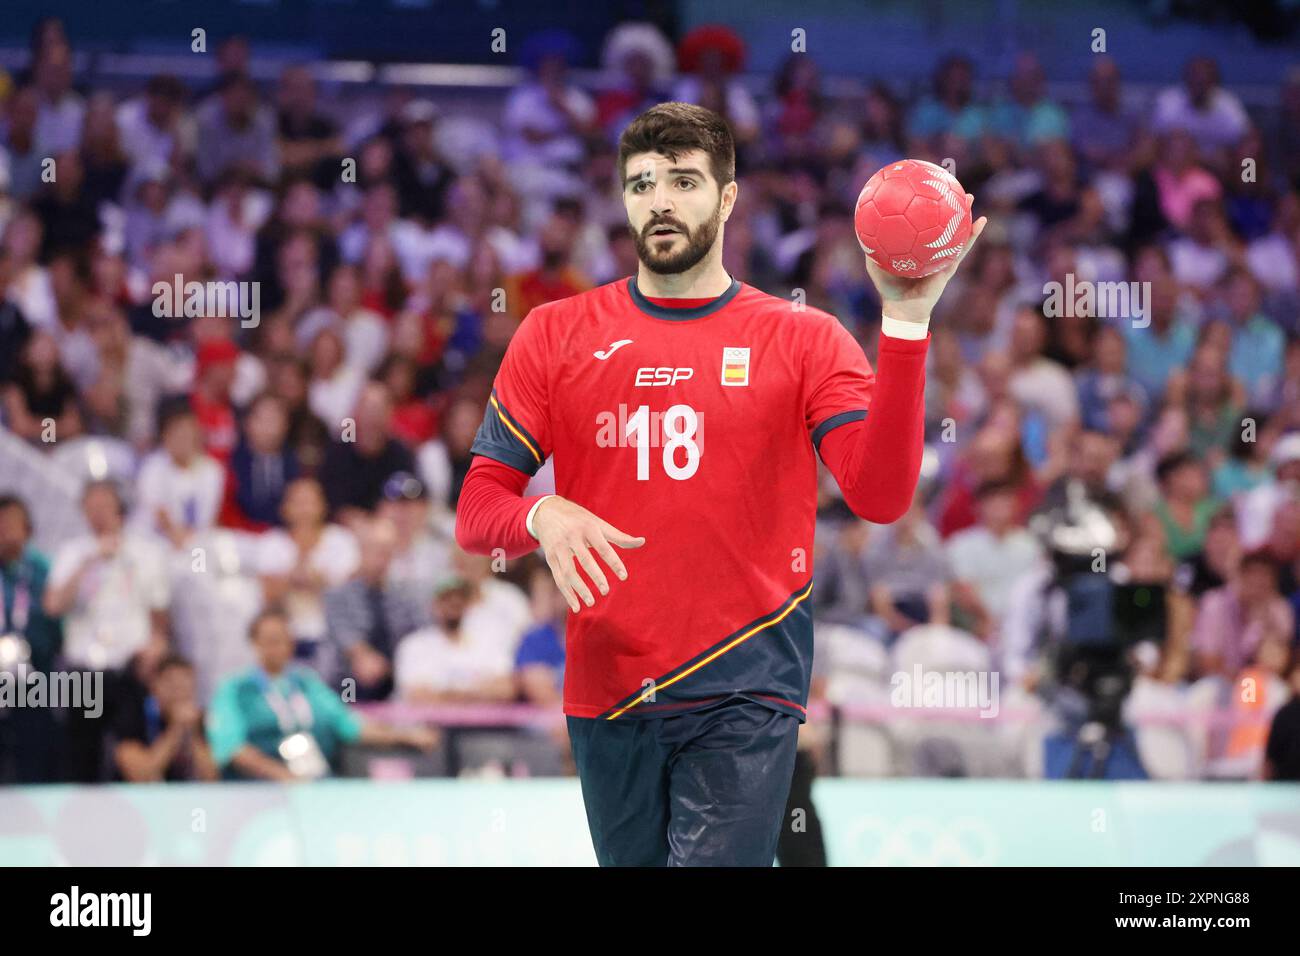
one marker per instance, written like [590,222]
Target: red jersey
[697,429]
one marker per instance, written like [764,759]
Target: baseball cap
[215,352]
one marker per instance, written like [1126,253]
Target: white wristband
[898,329]
[528,522]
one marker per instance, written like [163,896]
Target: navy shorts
[704,788]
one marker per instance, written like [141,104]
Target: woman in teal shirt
[1185,507]
[280,721]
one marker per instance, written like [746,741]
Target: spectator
[309,140]
[547,118]
[180,488]
[112,588]
[26,154]
[951,108]
[355,470]
[1238,618]
[30,285]
[299,562]
[234,128]
[1258,343]
[1213,401]
[994,454]
[235,214]
[952,388]
[882,128]
[278,721]
[1246,465]
[1272,260]
[1185,507]
[415,420]
[336,383]
[102,158]
[1029,117]
[261,467]
[642,58]
[1250,200]
[908,572]
[554,278]
[987,559]
[1201,107]
[452,661]
[154,130]
[162,738]
[297,217]
[798,110]
[367,615]
[1104,129]
[1202,256]
[1156,351]
[1218,561]
[710,57]
[839,583]
[1283,544]
[1037,383]
[61,111]
[471,219]
[41,402]
[364,332]
[31,639]
[496,607]
[539,662]
[298,280]
[214,376]
[289,380]
[1104,377]
[419,171]
[421,558]
[1090,460]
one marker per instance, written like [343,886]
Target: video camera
[1095,612]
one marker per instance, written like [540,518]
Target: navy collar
[663,312]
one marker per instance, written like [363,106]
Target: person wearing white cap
[1255,508]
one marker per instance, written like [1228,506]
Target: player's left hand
[912,300]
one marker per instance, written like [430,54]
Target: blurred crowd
[265,507]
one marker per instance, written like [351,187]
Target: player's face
[674,209]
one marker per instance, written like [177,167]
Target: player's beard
[698,243]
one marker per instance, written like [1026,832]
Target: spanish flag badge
[735,366]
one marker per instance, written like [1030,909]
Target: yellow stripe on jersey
[505,420]
[645,695]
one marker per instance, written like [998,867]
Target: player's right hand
[566,530]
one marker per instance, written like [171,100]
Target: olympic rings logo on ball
[903,265]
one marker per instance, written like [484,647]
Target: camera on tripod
[1096,613]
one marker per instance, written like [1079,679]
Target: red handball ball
[912,218]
